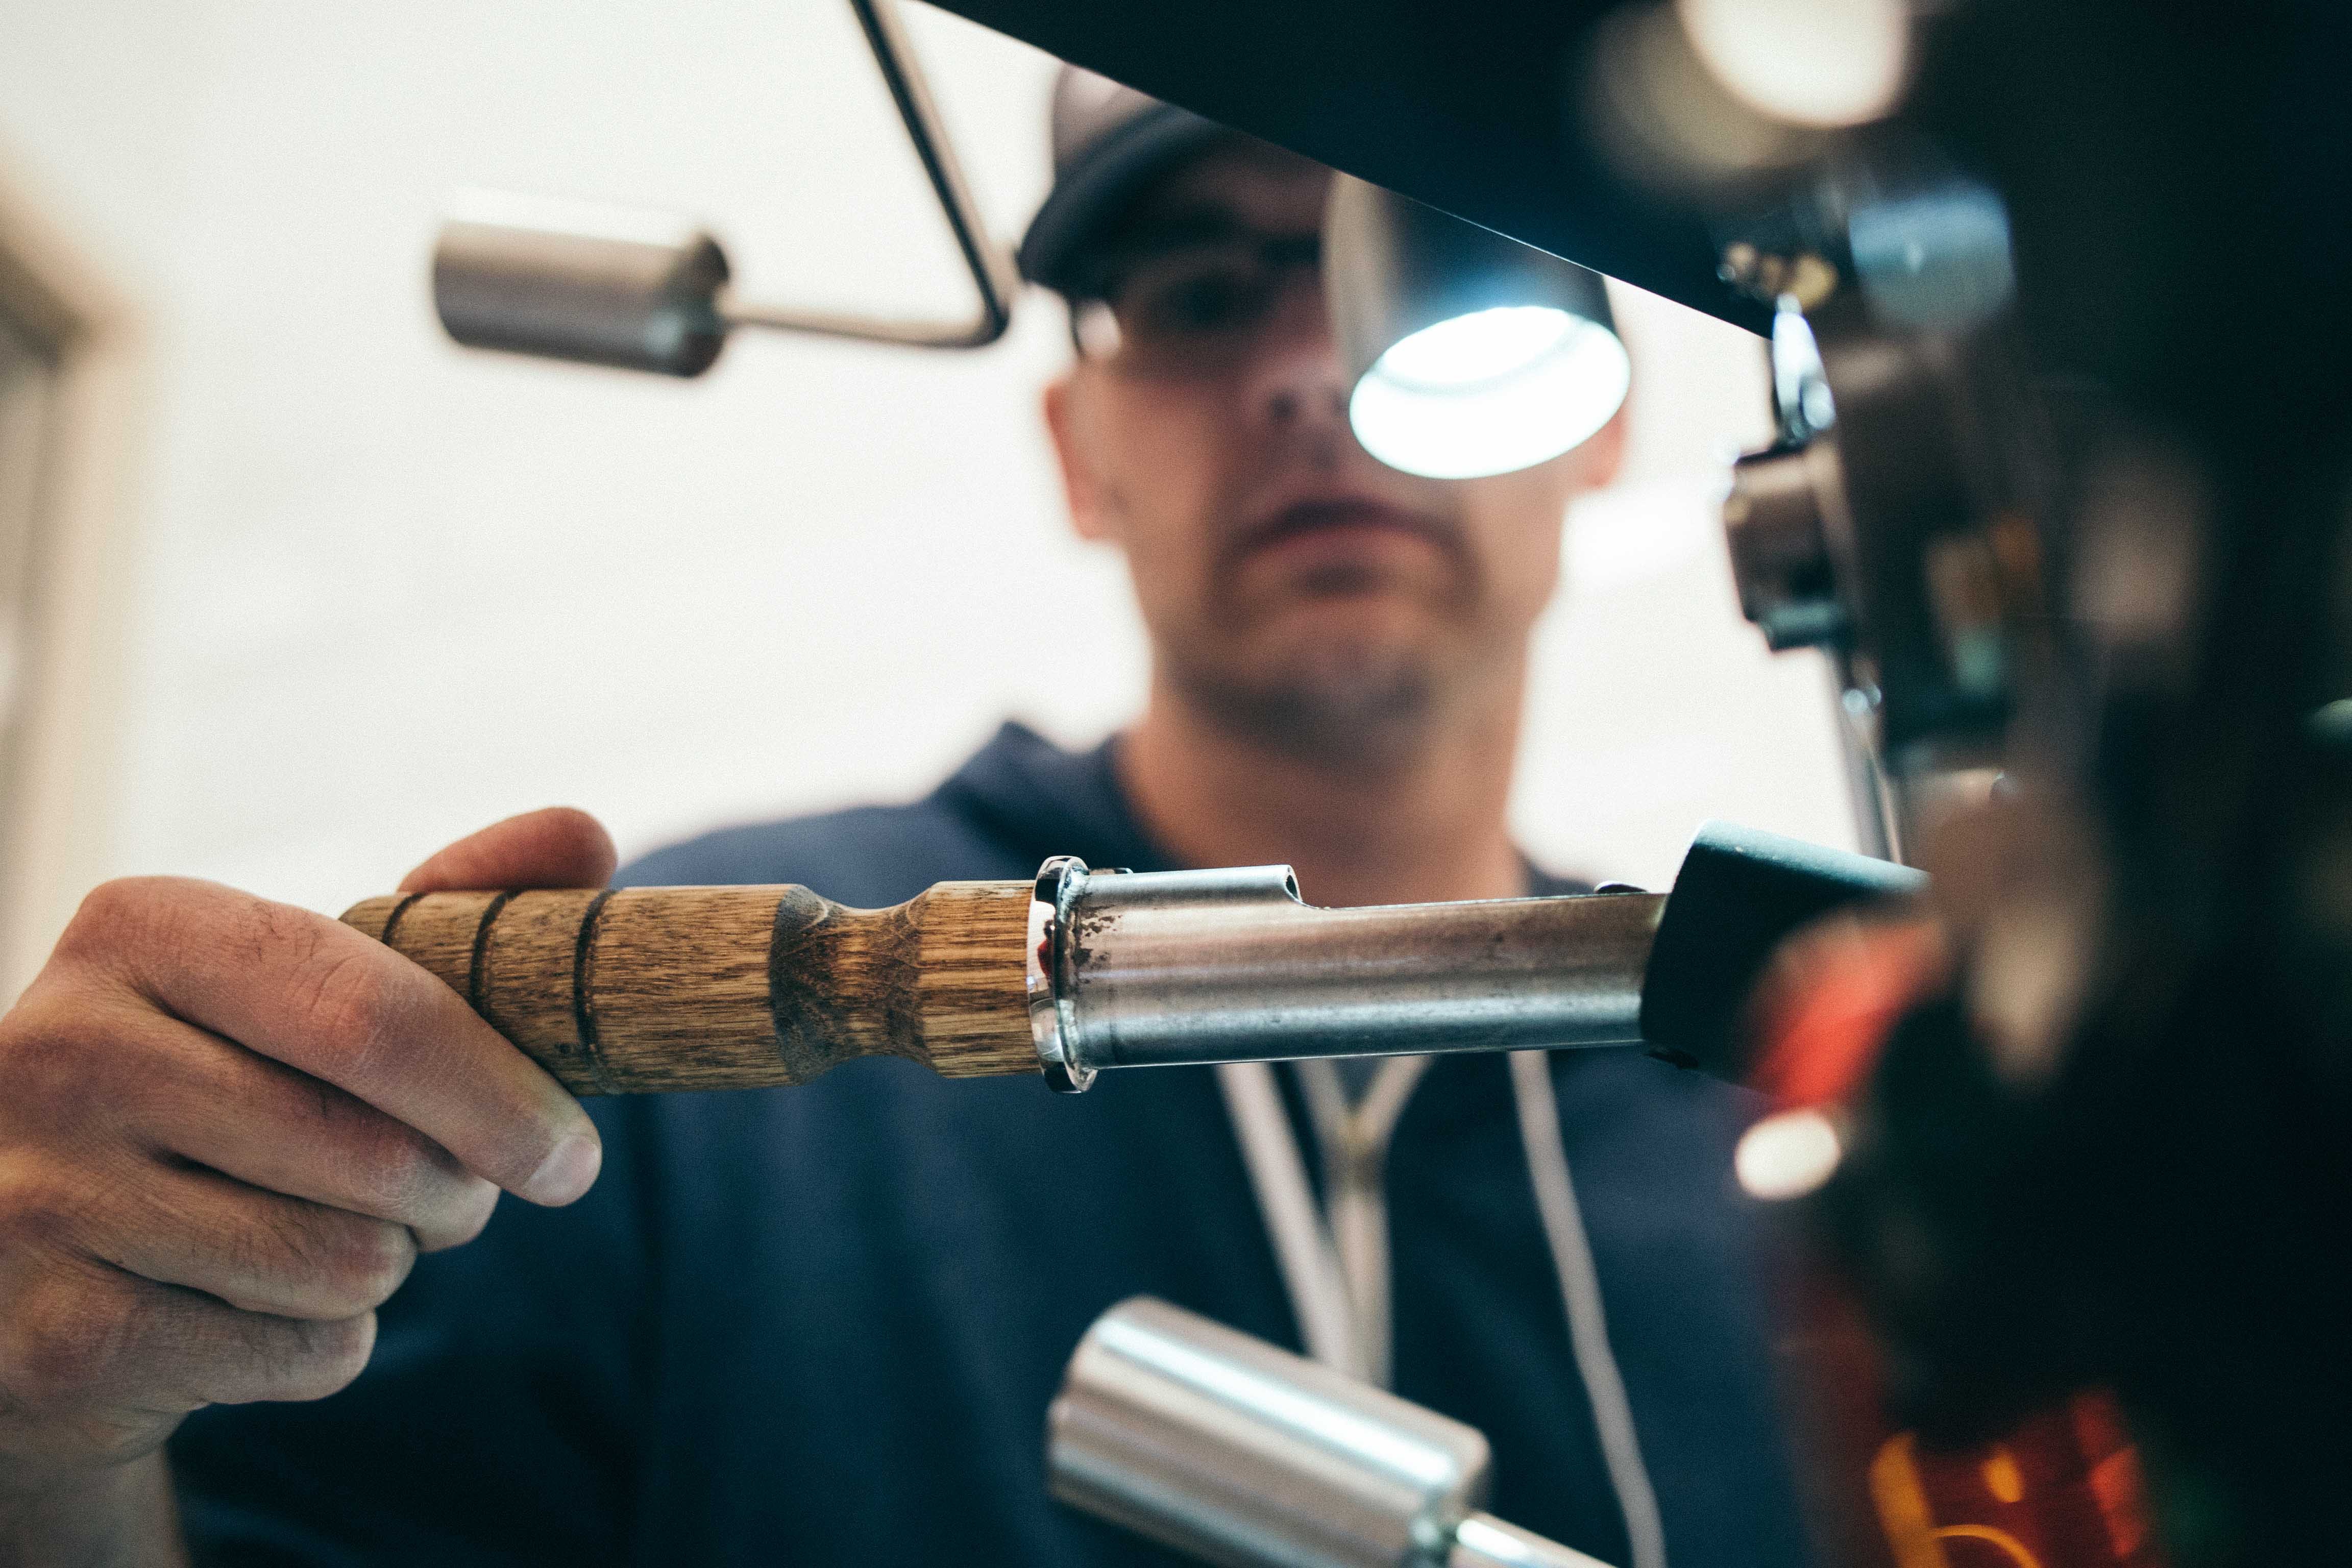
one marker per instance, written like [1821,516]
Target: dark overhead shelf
[1468,105]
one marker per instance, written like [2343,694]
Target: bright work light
[1469,353]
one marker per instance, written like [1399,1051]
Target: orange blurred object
[2060,1490]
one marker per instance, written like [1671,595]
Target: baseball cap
[1109,143]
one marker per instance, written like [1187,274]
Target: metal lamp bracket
[646,291]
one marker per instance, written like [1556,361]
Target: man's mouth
[1336,520]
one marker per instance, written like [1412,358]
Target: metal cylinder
[1158,968]
[601,286]
[1220,1445]
[1485,1541]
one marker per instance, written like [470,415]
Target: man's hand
[227,1127]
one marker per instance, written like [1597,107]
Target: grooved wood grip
[660,988]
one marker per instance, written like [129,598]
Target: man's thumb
[555,847]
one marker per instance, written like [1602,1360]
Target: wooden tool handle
[657,988]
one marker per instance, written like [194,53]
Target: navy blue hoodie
[822,1325]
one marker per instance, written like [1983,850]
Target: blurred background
[292,590]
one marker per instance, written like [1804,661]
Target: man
[822,1325]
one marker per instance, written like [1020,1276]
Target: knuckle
[462,1219]
[352,1003]
[390,1172]
[117,914]
[61,1340]
[45,1059]
[106,908]
[480,1202]
[347,1263]
[371,1261]
[35,1208]
[327,1356]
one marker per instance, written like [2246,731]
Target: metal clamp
[1060,882]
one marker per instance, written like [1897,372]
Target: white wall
[389,590]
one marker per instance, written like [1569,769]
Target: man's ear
[1080,489]
[1603,456]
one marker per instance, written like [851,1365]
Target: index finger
[325,999]
[556,846]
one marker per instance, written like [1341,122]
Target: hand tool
[1078,970]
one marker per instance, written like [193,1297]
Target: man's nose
[1296,384]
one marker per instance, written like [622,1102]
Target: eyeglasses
[1192,309]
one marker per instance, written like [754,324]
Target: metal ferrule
[1161,968]
[1052,908]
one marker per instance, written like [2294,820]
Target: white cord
[1588,1325]
[1302,1247]
[1317,1286]
[1355,1145]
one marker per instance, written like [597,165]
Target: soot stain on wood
[812,1027]
[584,992]
[475,978]
[896,973]
[391,920]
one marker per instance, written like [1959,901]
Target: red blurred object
[2062,1488]
[1824,1009]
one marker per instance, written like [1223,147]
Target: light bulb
[1490,392]
[1787,1154]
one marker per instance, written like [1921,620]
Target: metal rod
[1868,791]
[990,276]
[834,324]
[1185,967]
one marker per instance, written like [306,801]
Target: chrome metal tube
[1244,1454]
[1482,1541]
[565,280]
[1141,968]
[1221,1444]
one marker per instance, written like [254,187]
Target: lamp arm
[993,278]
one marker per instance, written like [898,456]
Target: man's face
[1289,580]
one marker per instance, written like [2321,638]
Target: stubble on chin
[1364,696]
[1345,704]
